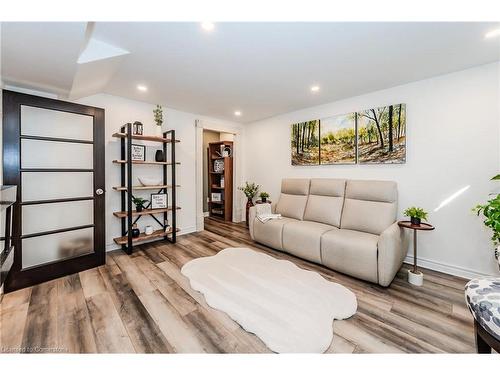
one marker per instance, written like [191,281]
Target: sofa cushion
[370,206]
[293,198]
[295,186]
[303,239]
[271,232]
[292,206]
[325,201]
[351,252]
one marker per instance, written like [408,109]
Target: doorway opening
[218,172]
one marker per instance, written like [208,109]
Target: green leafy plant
[491,212]
[264,195]
[158,113]
[416,212]
[250,189]
[139,202]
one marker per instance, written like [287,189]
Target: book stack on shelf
[163,201]
[220,179]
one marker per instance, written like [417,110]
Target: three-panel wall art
[372,136]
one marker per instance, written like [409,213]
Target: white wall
[452,142]
[120,111]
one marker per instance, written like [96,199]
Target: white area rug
[290,309]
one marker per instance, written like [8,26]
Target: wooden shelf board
[140,187]
[151,138]
[145,162]
[144,237]
[144,212]
[217,187]
[216,172]
[217,202]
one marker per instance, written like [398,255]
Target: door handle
[99,191]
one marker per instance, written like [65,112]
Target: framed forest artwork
[382,135]
[338,139]
[305,143]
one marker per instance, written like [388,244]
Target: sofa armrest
[392,250]
[252,215]
[251,219]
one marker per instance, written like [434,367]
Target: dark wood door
[53,151]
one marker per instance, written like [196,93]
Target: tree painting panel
[305,143]
[382,135]
[338,140]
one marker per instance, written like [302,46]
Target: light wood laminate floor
[141,303]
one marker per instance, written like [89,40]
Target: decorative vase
[135,231]
[139,208]
[159,155]
[249,204]
[148,230]
[415,220]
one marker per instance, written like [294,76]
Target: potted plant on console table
[250,190]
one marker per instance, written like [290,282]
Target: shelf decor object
[128,216]
[220,179]
[415,277]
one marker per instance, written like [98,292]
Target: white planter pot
[415,278]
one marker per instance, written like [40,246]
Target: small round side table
[260,201]
[415,277]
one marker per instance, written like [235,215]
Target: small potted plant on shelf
[250,190]
[416,215]
[491,212]
[263,196]
[139,203]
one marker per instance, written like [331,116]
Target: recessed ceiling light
[207,26]
[237,113]
[142,88]
[492,33]
[314,88]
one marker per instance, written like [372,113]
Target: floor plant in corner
[491,212]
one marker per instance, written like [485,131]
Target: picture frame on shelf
[216,197]
[159,201]
[138,152]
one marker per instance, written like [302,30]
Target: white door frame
[238,168]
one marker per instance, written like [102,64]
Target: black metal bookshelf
[127,215]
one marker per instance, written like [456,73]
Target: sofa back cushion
[294,193]
[370,206]
[326,198]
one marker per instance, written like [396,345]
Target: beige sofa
[346,225]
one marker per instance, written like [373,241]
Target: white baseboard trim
[187,230]
[445,268]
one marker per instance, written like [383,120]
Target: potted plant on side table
[263,196]
[416,215]
[250,190]
[139,203]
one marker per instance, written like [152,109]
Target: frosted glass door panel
[54,247]
[56,124]
[53,216]
[44,154]
[55,185]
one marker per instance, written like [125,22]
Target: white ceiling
[262,69]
